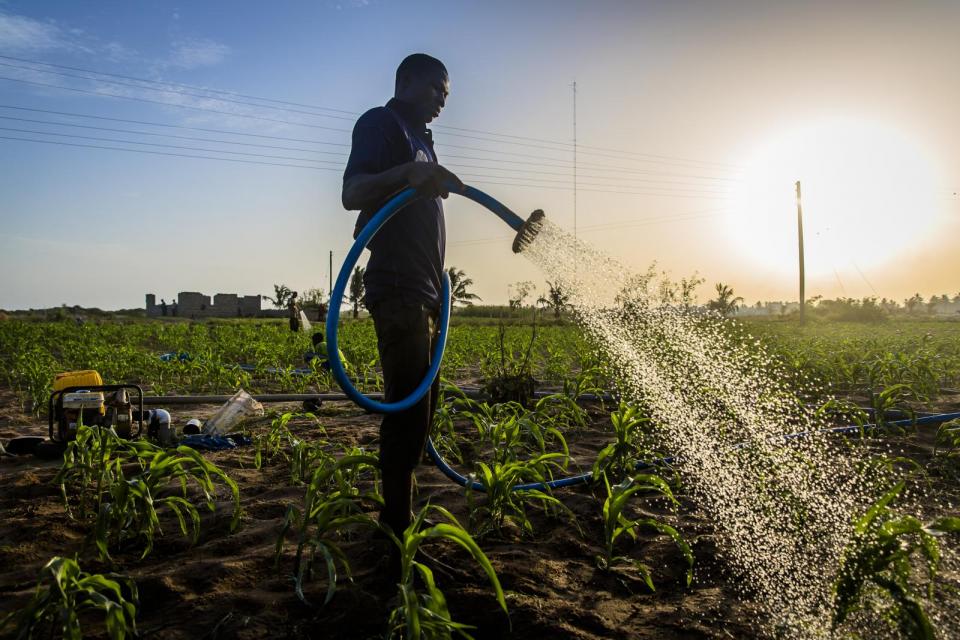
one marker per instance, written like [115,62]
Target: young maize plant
[64,592]
[946,450]
[500,504]
[444,431]
[616,523]
[878,564]
[621,456]
[332,505]
[423,614]
[121,485]
[273,443]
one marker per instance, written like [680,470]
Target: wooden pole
[803,301]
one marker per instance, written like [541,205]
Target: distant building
[190,304]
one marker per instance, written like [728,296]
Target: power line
[316,168]
[177,84]
[166,146]
[556,143]
[589,184]
[668,183]
[173,126]
[171,135]
[164,153]
[173,92]
[173,104]
[540,159]
[683,217]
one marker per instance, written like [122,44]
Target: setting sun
[868,192]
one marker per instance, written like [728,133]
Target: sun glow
[868,192]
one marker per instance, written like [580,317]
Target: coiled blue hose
[386,212]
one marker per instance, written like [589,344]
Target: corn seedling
[500,504]
[423,613]
[332,504]
[879,564]
[65,592]
[121,485]
[616,523]
[621,456]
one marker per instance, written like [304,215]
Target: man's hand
[432,180]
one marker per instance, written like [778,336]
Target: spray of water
[783,512]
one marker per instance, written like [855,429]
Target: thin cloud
[197,52]
[23,34]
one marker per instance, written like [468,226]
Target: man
[294,312]
[393,150]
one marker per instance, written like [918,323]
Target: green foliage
[501,504]
[616,523]
[508,374]
[621,456]
[64,592]
[332,505]
[357,290]
[121,487]
[423,613]
[880,563]
[459,285]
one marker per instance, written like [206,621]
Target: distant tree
[725,303]
[458,287]
[557,299]
[313,297]
[913,302]
[521,291]
[357,290]
[688,289]
[281,296]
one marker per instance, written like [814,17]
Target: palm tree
[725,303]
[357,290]
[556,299]
[281,293]
[458,287]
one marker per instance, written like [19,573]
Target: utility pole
[330,280]
[803,302]
[574,159]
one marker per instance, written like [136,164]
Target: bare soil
[227,585]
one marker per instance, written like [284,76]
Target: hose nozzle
[528,231]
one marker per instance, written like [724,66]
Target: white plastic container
[240,406]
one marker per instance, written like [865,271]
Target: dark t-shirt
[406,255]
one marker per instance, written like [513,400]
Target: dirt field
[227,586]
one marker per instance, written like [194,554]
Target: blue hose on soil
[585,478]
[516,223]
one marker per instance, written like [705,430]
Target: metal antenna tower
[574,159]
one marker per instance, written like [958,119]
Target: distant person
[320,353]
[293,306]
[392,150]
[163,307]
[174,309]
[322,312]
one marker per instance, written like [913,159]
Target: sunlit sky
[693,121]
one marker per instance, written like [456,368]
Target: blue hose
[336,296]
[585,478]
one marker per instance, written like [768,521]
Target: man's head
[422,82]
[293,295]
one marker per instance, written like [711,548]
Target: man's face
[427,92]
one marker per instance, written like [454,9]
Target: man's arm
[365,191]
